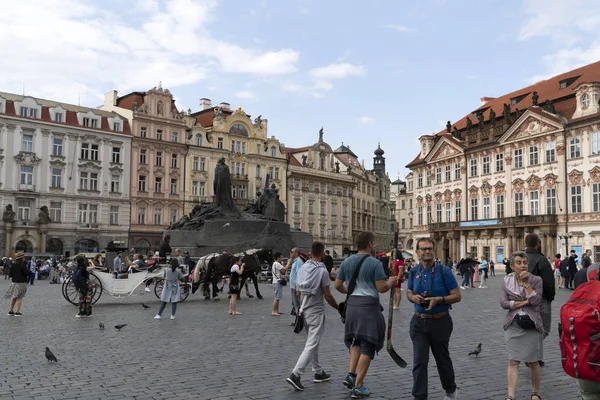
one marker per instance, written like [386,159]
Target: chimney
[225,106]
[486,99]
[205,104]
[110,98]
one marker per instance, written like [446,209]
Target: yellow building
[249,152]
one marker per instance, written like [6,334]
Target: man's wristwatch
[526,286]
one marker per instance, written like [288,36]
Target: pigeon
[145,306]
[119,327]
[101,325]
[227,224]
[49,356]
[476,351]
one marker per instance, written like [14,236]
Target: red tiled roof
[292,150]
[294,161]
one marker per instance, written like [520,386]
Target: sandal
[535,395]
[509,398]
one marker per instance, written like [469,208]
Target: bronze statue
[165,247]
[222,187]
[448,127]
[304,163]
[549,106]
[456,133]
[534,99]
[218,113]
[506,113]
[469,125]
[44,215]
[258,121]
[321,134]
[337,167]
[9,214]
[492,117]
[481,120]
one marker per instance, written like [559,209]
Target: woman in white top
[279,282]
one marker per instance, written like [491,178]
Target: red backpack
[580,332]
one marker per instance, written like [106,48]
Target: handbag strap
[352,283]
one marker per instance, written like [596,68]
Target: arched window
[86,246]
[24,246]
[142,246]
[273,151]
[159,108]
[198,140]
[54,246]
[238,129]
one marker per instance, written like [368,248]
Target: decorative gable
[443,150]
[529,125]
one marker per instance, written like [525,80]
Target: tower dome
[379,151]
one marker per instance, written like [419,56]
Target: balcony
[200,199]
[519,221]
[24,187]
[87,226]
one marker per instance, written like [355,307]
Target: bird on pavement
[145,306]
[476,351]
[49,356]
[101,325]
[121,326]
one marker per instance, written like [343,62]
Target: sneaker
[18,314]
[463,288]
[10,314]
[451,396]
[359,392]
[295,382]
[349,381]
[147,289]
[322,377]
[79,315]
[157,316]
[172,317]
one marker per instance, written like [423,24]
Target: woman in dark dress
[18,288]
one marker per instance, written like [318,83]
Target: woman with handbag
[523,329]
[279,282]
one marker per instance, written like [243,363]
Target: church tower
[379,160]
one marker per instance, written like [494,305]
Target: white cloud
[397,28]
[245,95]
[568,59]
[366,120]
[338,71]
[67,48]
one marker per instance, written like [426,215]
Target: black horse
[254,262]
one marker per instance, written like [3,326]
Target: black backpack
[79,278]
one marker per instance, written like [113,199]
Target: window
[195,163]
[173,215]
[23,111]
[457,211]
[90,122]
[202,164]
[533,155]
[344,210]
[94,181]
[143,153]
[438,213]
[159,159]
[258,148]
[427,178]
[273,151]
[220,143]
[117,126]
[56,211]
[173,186]
[94,151]
[438,175]
[174,137]
[518,204]
[551,152]
[57,147]
[403,225]
[596,143]
[158,184]
[143,132]
[23,210]
[499,162]
[333,209]
[56,178]
[142,215]
[258,171]
[244,170]
[473,167]
[485,165]
[428,210]
[157,216]
[195,188]
[323,207]
[242,191]
[448,212]
[550,201]
[114,215]
[88,215]
[58,117]
[83,181]
[33,113]
[115,183]
[474,210]
[596,197]
[457,171]
[116,155]
[89,151]
[26,175]
[534,203]
[448,173]
[419,180]
[500,206]
[243,147]
[276,173]
[174,163]
[27,144]
[159,134]
[198,140]
[202,189]
[576,199]
[518,159]
[142,183]
[575,147]
[419,215]
[486,208]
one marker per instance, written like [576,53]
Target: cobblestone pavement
[206,354]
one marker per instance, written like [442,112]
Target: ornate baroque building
[320,196]
[402,196]
[157,159]
[524,162]
[248,150]
[64,170]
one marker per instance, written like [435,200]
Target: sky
[384,71]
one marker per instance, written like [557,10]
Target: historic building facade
[64,172]
[402,196]
[524,162]
[158,162]
[254,159]
[320,196]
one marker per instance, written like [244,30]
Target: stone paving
[206,354]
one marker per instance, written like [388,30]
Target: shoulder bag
[351,285]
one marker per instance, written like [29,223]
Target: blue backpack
[79,279]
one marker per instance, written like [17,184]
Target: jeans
[31,277]
[466,279]
[295,302]
[589,390]
[164,304]
[434,334]
[314,323]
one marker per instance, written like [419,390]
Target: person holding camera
[279,281]
[523,327]
[432,288]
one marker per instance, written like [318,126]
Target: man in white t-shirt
[278,272]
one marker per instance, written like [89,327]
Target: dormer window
[24,111]
[565,83]
[585,101]
[90,122]
[515,100]
[32,113]
[117,126]
[58,117]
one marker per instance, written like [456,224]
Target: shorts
[277,291]
[367,348]
[557,273]
[234,289]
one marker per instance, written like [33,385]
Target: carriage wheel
[71,294]
[158,287]
[185,289]
[97,288]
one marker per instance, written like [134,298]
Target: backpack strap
[352,282]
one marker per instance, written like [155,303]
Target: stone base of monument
[235,236]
